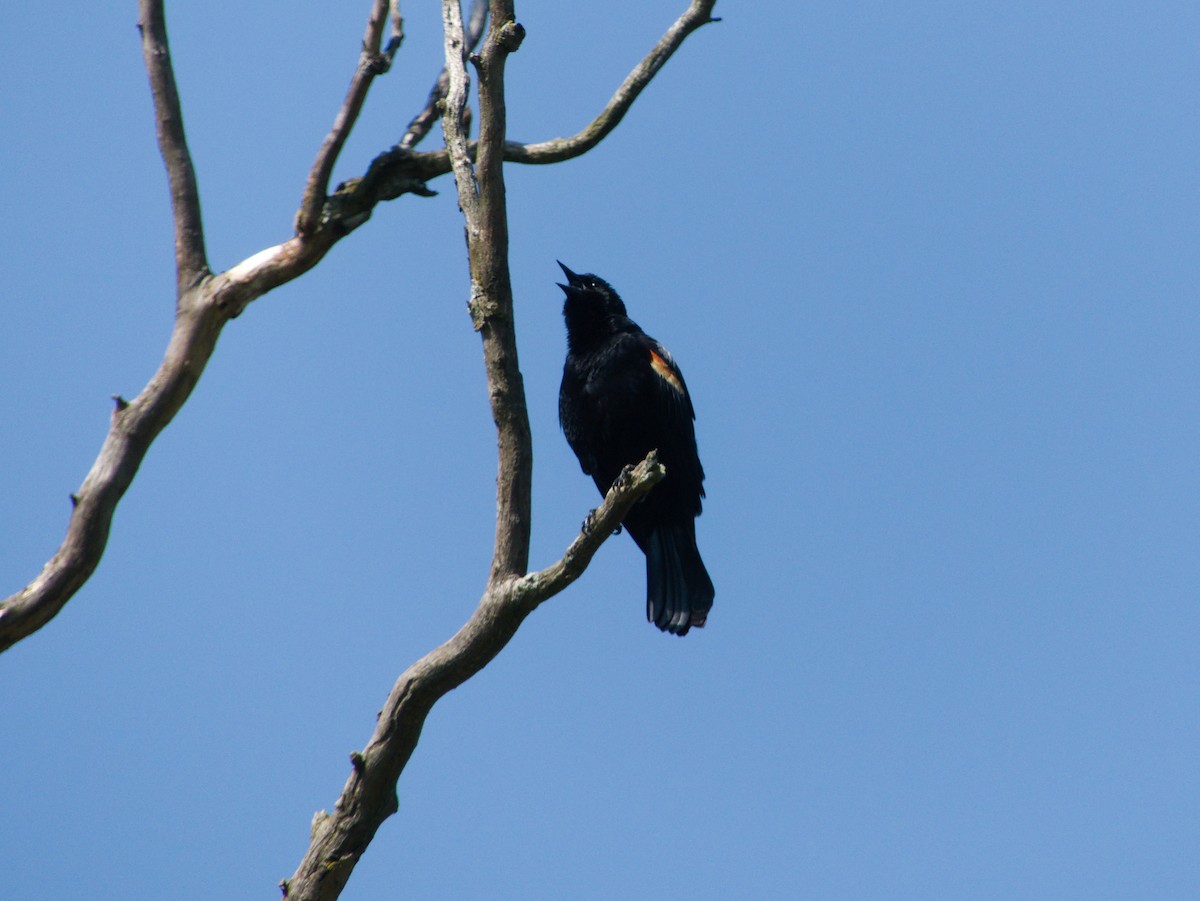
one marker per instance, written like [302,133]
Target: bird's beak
[572,278]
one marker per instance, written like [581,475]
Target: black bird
[622,396]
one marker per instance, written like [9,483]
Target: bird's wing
[671,389]
[670,420]
[627,400]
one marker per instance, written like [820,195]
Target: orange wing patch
[663,368]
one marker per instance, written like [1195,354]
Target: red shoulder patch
[664,370]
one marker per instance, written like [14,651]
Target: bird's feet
[589,523]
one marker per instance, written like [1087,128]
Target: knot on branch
[390,175]
[394,172]
[345,209]
[376,63]
[510,36]
[482,308]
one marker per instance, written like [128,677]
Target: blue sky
[930,270]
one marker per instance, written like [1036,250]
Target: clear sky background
[931,272]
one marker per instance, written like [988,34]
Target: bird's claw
[589,524]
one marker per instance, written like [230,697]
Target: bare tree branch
[369,796]
[397,170]
[423,121]
[191,261]
[205,303]
[203,306]
[134,424]
[491,302]
[534,588]
[457,85]
[400,170]
[371,62]
[481,198]
[559,149]
[339,839]
[397,35]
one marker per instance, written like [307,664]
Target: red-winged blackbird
[622,396]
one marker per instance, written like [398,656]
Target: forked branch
[369,796]
[534,588]
[340,838]
[374,60]
[135,424]
[429,165]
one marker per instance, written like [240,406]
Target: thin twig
[191,261]
[559,149]
[371,62]
[418,168]
[534,588]
[397,35]
[423,121]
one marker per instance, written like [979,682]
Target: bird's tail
[679,592]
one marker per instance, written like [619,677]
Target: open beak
[572,278]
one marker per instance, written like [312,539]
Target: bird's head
[589,296]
